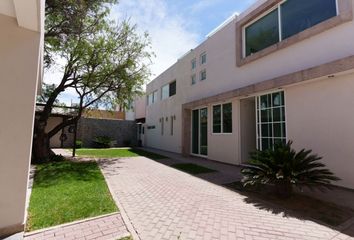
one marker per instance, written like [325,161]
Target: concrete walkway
[164,203]
[109,227]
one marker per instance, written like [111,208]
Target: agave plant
[285,168]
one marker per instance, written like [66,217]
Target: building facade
[21,48]
[281,70]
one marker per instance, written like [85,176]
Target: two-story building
[281,70]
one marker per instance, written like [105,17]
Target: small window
[154,97]
[150,100]
[165,91]
[194,63]
[222,118]
[193,79]
[203,58]
[172,89]
[203,75]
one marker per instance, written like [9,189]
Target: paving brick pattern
[103,228]
[164,203]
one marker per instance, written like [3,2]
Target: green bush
[102,142]
[78,144]
[285,168]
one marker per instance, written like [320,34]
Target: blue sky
[174,26]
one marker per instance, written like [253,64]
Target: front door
[200,132]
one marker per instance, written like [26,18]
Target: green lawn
[192,168]
[116,153]
[67,191]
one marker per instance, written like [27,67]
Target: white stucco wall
[223,75]
[320,116]
[19,59]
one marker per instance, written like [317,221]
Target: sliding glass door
[200,131]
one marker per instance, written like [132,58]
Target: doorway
[200,132]
[248,127]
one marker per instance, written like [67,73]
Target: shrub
[102,142]
[78,144]
[284,168]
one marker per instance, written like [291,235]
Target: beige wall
[19,59]
[140,107]
[223,75]
[320,116]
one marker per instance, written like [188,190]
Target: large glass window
[194,63]
[203,58]
[288,19]
[271,126]
[203,75]
[263,33]
[298,15]
[165,91]
[222,118]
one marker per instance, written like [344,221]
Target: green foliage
[102,141]
[78,144]
[67,191]
[118,153]
[284,167]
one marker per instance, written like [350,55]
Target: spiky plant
[285,168]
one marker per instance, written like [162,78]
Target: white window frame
[194,63]
[257,120]
[168,94]
[201,74]
[221,119]
[201,58]
[277,6]
[199,137]
[194,76]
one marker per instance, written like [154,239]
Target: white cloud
[168,32]
[203,4]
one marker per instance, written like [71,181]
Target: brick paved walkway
[109,227]
[164,203]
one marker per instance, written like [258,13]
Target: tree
[105,62]
[284,168]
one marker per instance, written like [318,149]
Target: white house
[281,70]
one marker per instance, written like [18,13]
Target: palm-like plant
[285,168]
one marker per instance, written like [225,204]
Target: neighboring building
[21,48]
[282,70]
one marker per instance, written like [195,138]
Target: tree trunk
[41,149]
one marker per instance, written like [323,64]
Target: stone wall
[124,133]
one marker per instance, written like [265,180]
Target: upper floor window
[168,90]
[193,79]
[203,75]
[194,63]
[152,98]
[287,19]
[222,118]
[203,58]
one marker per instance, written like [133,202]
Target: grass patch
[67,191]
[298,205]
[192,168]
[126,238]
[117,153]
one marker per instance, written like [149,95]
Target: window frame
[201,74]
[201,58]
[193,76]
[258,131]
[221,119]
[169,88]
[263,14]
[193,63]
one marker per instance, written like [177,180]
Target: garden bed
[299,206]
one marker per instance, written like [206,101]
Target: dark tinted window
[298,15]
[217,119]
[173,88]
[227,118]
[263,33]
